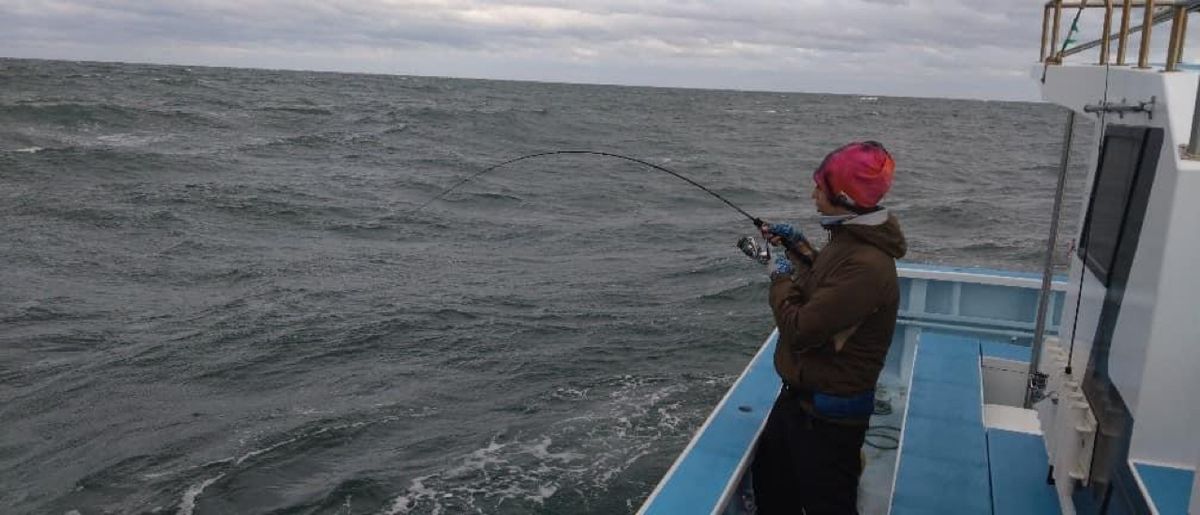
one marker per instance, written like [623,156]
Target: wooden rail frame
[1153,13]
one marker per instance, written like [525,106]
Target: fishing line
[1083,239]
[756,220]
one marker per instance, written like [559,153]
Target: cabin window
[1124,155]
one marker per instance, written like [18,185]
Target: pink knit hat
[858,174]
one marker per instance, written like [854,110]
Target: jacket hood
[881,231]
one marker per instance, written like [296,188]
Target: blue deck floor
[1169,488]
[943,460]
[1015,462]
[949,463]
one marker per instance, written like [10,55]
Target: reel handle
[797,249]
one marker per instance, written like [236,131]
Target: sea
[217,295]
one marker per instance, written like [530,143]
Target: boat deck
[950,462]
[953,321]
[1167,488]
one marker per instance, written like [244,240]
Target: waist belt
[861,405]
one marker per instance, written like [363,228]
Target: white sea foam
[188,504]
[130,139]
[29,150]
[627,420]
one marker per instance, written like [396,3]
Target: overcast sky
[951,48]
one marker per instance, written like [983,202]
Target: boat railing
[1152,12]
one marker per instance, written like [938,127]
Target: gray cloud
[924,47]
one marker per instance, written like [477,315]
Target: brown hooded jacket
[836,317]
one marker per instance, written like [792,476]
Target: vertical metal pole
[1183,37]
[1045,32]
[1054,31]
[1123,38]
[1173,40]
[1039,332]
[1193,148]
[1104,37]
[1147,25]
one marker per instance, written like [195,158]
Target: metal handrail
[1154,13]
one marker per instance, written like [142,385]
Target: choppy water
[214,298]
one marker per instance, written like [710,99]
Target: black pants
[806,465]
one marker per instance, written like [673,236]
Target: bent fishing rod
[757,221]
[747,245]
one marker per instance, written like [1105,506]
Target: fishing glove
[782,268]
[785,231]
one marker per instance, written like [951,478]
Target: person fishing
[836,312]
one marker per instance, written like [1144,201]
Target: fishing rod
[748,245]
[757,221]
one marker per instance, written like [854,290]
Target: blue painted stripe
[702,474]
[1017,487]
[943,462]
[1170,488]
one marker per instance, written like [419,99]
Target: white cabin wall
[1133,333]
[1155,356]
[1163,430]
[1135,338]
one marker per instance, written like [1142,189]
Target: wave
[616,424]
[301,141]
[459,114]
[306,110]
[489,196]
[368,140]
[284,447]
[67,112]
[745,291]
[45,310]
[189,81]
[78,114]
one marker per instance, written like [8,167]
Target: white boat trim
[975,277]
[1137,477]
[747,453]
[903,428]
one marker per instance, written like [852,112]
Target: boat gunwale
[1025,280]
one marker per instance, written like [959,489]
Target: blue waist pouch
[834,406]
